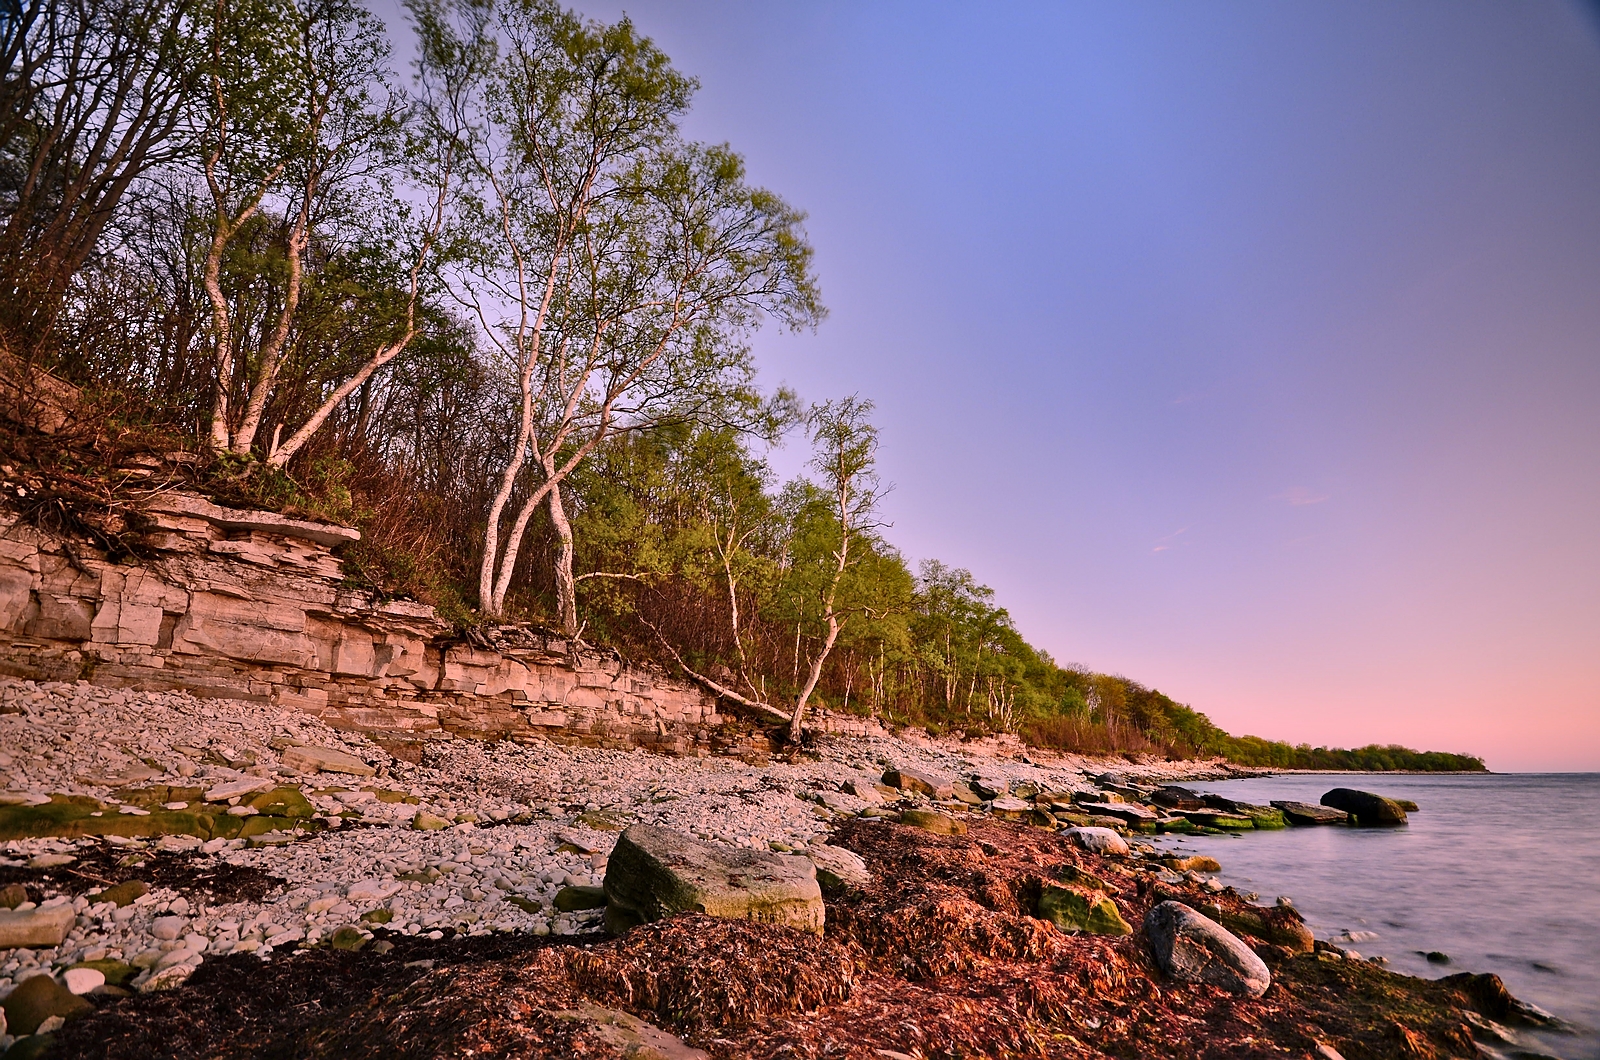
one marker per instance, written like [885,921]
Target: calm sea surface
[1502,873]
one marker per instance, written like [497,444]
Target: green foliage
[519,299]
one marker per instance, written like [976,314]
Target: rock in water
[932,785]
[1081,909]
[654,873]
[1365,808]
[1304,813]
[35,928]
[1097,840]
[36,1000]
[1175,798]
[838,867]
[1195,949]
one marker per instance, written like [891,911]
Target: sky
[1249,350]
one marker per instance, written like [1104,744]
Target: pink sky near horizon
[1250,351]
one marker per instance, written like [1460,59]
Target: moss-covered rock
[124,893]
[37,999]
[1078,908]
[348,938]
[156,796]
[76,816]
[573,899]
[286,801]
[1280,925]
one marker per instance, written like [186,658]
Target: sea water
[1499,872]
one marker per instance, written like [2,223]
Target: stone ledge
[236,519]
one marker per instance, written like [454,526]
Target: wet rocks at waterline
[1196,949]
[1366,809]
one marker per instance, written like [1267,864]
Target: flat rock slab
[1123,811]
[305,758]
[580,897]
[1365,809]
[633,1038]
[1304,813]
[654,873]
[235,789]
[1196,949]
[1174,797]
[990,787]
[35,928]
[934,785]
[837,801]
[863,790]
[1010,808]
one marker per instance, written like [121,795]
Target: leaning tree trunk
[566,584]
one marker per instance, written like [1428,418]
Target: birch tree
[846,461]
[298,112]
[612,266]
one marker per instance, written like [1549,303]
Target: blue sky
[1250,350]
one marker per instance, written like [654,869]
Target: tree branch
[770,712]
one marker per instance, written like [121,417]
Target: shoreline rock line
[874,898]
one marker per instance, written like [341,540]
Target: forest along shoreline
[210,869]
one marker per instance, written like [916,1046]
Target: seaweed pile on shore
[938,956]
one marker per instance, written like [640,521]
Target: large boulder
[1097,840]
[1196,949]
[38,998]
[1365,808]
[35,928]
[654,873]
[933,785]
[1079,908]
[1304,813]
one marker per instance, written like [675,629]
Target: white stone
[83,980]
[1097,840]
[168,928]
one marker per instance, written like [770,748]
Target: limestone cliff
[252,605]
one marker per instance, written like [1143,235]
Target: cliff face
[251,605]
